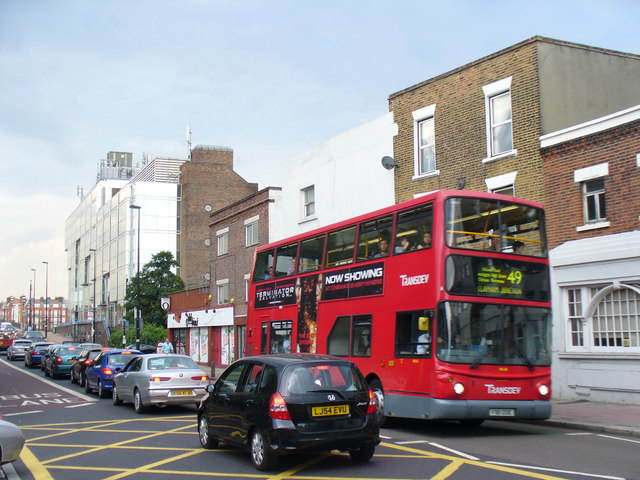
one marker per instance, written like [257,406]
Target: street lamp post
[137,319]
[93,320]
[33,304]
[46,295]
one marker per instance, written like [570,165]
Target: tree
[156,281]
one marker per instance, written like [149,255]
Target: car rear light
[106,371]
[278,407]
[373,403]
[58,360]
[87,362]
[201,377]
[159,379]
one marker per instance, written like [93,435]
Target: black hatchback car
[276,404]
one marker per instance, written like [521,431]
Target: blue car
[60,359]
[99,375]
[33,357]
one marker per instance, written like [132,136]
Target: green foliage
[156,281]
[149,335]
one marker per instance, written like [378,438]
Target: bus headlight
[543,390]
[458,388]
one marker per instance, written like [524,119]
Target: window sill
[307,219]
[599,356]
[435,173]
[593,226]
[510,153]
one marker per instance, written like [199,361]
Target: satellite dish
[389,163]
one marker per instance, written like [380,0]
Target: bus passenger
[426,241]
[383,245]
[517,247]
[404,244]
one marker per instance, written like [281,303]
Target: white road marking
[569,472]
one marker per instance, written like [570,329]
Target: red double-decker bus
[442,301]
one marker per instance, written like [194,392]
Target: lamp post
[46,295]
[33,304]
[29,308]
[137,319]
[93,319]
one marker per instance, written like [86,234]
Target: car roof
[284,359]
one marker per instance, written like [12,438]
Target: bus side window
[413,230]
[413,334]
[371,235]
[311,254]
[263,269]
[286,260]
[340,246]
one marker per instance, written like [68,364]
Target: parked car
[33,355]
[46,354]
[82,361]
[18,348]
[99,375]
[276,404]
[59,361]
[11,441]
[159,379]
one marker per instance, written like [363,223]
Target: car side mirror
[210,388]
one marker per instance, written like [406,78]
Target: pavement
[611,418]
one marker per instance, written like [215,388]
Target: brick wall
[207,179]
[460,126]
[619,148]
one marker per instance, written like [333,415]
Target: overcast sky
[270,78]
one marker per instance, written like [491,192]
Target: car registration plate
[330,410]
[182,392]
[502,412]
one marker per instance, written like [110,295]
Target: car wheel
[26,364]
[9,357]
[73,377]
[362,454]
[102,392]
[87,387]
[203,433]
[83,380]
[471,422]
[114,396]
[137,402]
[46,373]
[262,456]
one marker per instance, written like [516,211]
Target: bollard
[213,371]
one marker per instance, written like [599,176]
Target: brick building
[592,191]
[211,320]
[208,183]
[479,125]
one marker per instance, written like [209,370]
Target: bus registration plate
[502,412]
[330,410]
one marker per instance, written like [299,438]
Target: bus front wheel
[378,391]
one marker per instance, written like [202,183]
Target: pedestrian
[167,347]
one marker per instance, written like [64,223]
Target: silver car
[11,442]
[18,348]
[159,379]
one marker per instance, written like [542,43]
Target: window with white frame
[603,318]
[592,185]
[223,241]
[308,201]
[222,287]
[246,287]
[595,206]
[251,231]
[499,118]
[424,141]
